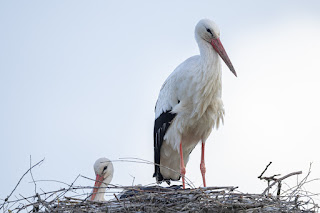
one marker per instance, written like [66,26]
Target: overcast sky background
[79,80]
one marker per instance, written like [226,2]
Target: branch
[7,198]
[264,170]
[280,179]
[35,185]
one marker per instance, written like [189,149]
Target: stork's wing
[171,90]
[166,101]
[161,126]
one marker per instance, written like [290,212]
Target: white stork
[103,169]
[189,106]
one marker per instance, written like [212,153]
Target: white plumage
[189,104]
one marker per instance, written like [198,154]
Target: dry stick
[133,177]
[71,185]
[35,185]
[116,197]
[279,190]
[26,200]
[139,160]
[303,181]
[124,205]
[73,198]
[52,193]
[9,207]
[264,170]
[7,198]
[45,193]
[57,181]
[110,186]
[280,179]
[37,204]
[269,179]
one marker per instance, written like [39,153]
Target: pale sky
[79,80]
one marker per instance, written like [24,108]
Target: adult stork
[189,106]
[103,169]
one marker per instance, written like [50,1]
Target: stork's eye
[209,31]
[105,168]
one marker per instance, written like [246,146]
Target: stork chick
[103,169]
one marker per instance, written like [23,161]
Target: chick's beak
[97,184]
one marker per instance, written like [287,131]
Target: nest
[170,199]
[159,199]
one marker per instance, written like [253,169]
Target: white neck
[102,189]
[210,59]
[209,78]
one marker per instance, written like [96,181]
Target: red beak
[97,184]
[216,44]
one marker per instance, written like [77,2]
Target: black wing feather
[161,125]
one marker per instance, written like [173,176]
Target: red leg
[182,167]
[203,166]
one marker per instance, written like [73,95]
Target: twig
[7,198]
[124,205]
[279,190]
[264,170]
[116,197]
[35,185]
[280,179]
[57,181]
[133,178]
[303,181]
[70,185]
[139,160]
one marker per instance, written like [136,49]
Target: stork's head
[208,31]
[103,169]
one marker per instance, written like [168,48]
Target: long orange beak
[97,184]
[216,44]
